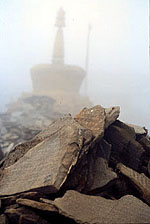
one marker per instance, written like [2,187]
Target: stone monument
[59,80]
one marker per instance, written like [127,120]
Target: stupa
[59,80]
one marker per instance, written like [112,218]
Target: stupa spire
[58,51]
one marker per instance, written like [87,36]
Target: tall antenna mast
[87,59]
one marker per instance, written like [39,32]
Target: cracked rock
[92,209]
[46,165]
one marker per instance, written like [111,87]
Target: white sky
[118,65]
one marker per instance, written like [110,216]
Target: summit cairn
[90,169]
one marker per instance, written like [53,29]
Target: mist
[118,69]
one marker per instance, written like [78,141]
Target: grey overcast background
[119,47]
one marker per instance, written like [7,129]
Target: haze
[118,71]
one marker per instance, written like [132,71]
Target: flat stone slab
[21,149]
[91,209]
[37,205]
[93,119]
[46,166]
[97,118]
[140,181]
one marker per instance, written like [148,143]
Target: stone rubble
[89,169]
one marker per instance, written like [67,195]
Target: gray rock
[92,209]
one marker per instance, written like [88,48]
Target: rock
[9,200]
[69,171]
[125,148]
[93,119]
[89,173]
[36,205]
[3,219]
[46,166]
[1,154]
[23,148]
[24,215]
[111,115]
[97,118]
[47,201]
[102,174]
[148,167]
[140,181]
[25,219]
[92,209]
[145,142]
[138,130]
[99,174]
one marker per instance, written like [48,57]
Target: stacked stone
[89,169]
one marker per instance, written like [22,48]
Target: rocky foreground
[88,169]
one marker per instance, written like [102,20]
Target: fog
[118,69]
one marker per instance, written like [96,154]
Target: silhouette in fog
[58,52]
[59,80]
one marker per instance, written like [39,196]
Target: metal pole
[87,59]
